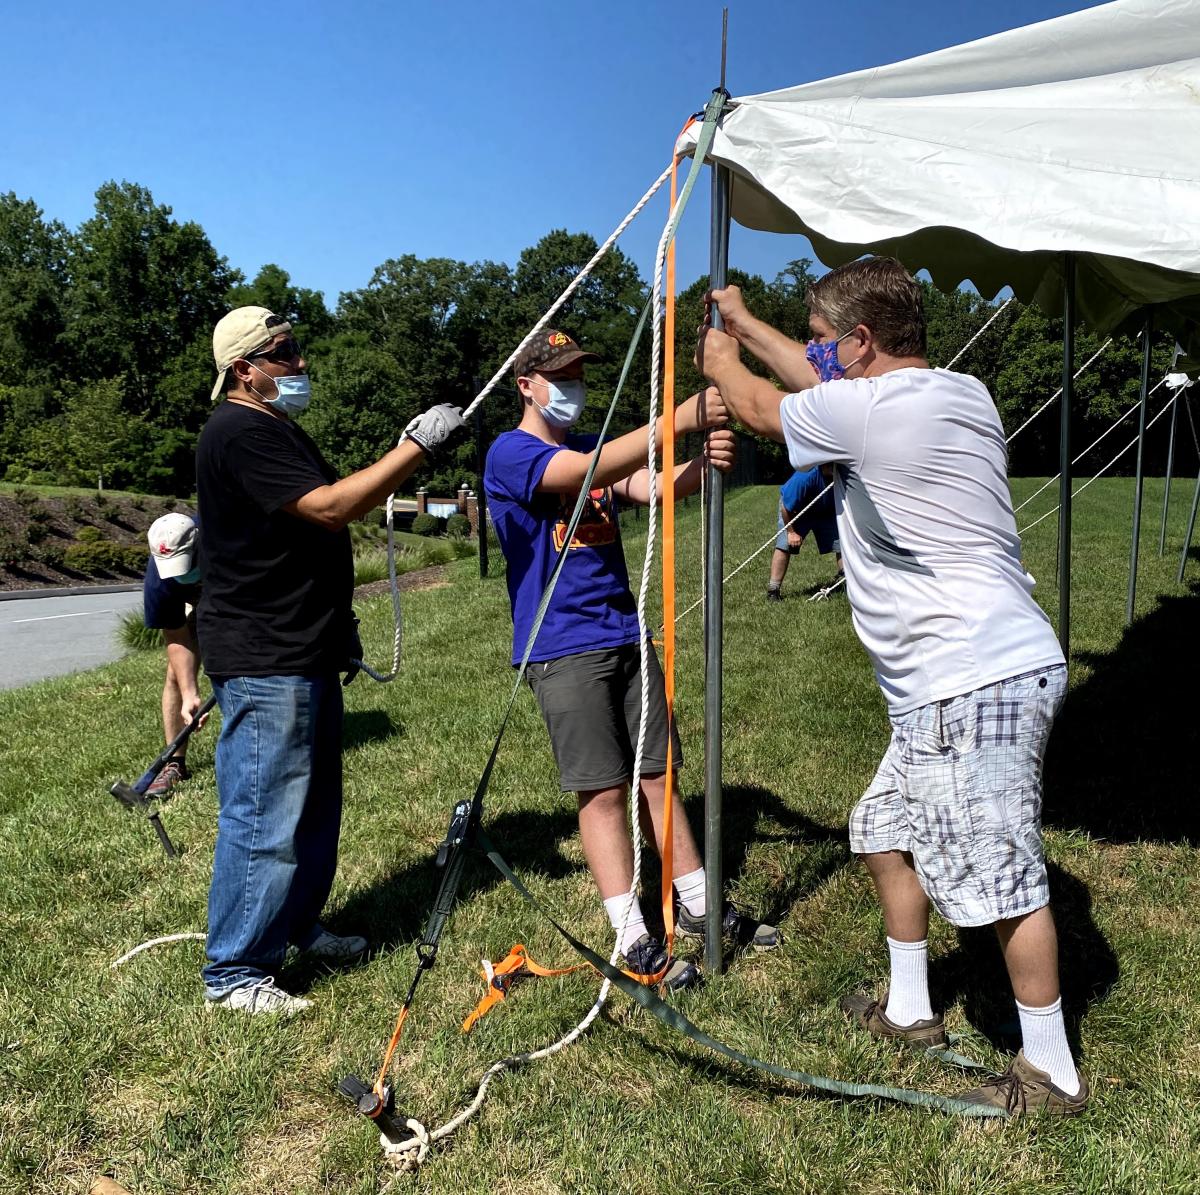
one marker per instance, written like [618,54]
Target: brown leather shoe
[867,1012]
[1023,1089]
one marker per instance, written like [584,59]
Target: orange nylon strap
[391,1050]
[668,565]
[518,965]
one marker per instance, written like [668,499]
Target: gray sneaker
[333,950]
[648,956]
[737,928]
[259,997]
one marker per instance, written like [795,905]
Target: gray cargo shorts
[960,787]
[592,705]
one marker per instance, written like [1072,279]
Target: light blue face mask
[564,402]
[291,394]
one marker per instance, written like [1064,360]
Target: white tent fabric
[987,161]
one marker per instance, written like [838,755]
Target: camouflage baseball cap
[550,351]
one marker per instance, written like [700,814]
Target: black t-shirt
[277,588]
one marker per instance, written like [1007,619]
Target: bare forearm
[687,481]
[752,400]
[337,505]
[786,358]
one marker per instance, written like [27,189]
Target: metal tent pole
[714,612]
[480,495]
[1162,531]
[1064,455]
[1187,539]
[1131,596]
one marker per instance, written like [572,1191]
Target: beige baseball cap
[172,544]
[239,333]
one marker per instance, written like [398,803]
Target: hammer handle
[147,777]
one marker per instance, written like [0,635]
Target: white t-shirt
[932,558]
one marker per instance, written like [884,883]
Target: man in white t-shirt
[968,662]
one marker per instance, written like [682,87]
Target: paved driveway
[51,636]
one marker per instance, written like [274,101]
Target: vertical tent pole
[1131,597]
[714,570]
[1064,454]
[1187,539]
[1162,531]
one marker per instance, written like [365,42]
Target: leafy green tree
[33,280]
[146,289]
[304,309]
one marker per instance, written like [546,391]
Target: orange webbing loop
[518,965]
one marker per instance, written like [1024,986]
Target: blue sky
[328,136]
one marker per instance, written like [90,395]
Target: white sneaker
[329,948]
[263,996]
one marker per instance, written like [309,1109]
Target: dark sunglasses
[280,354]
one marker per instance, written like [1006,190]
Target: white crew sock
[908,995]
[691,889]
[635,927]
[1044,1040]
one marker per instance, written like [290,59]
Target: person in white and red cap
[275,628]
[170,592]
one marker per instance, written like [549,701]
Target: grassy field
[123,1073]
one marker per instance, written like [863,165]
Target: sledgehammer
[133,796]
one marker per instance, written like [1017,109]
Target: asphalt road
[52,636]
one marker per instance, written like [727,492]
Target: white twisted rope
[1077,376]
[962,351]
[409,1154]
[572,287]
[157,942]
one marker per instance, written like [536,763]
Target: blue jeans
[279,784]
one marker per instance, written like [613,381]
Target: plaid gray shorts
[960,786]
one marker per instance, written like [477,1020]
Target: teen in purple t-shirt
[585,668]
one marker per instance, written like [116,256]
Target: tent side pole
[1131,595]
[1187,539]
[1162,531]
[714,616]
[1064,457]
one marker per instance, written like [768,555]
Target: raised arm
[622,457]
[784,357]
[719,450]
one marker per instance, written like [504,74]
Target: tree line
[106,359]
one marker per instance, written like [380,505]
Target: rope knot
[410,1154]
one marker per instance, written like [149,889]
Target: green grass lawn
[123,1072]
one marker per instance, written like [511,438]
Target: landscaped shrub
[458,525]
[51,554]
[136,556]
[88,535]
[36,532]
[426,525]
[73,507]
[13,548]
[96,556]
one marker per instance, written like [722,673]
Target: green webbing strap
[467,820]
[674,1019]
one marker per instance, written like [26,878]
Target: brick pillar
[422,501]
[473,512]
[463,491]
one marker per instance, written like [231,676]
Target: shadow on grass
[975,971]
[1122,759]
[367,726]
[394,910]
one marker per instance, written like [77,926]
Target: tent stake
[714,601]
[1131,597]
[1064,458]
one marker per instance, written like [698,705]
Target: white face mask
[291,393]
[564,402]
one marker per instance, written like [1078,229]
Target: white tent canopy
[988,161]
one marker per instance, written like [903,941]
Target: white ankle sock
[1044,1040]
[908,995]
[691,892]
[635,927]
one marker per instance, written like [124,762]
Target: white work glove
[432,429]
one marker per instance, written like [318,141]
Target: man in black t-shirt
[275,628]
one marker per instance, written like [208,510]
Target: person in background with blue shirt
[800,491]
[170,591]
[585,666]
